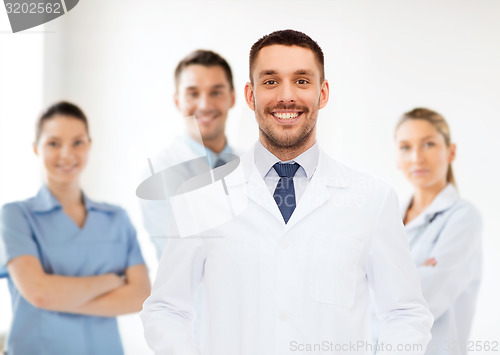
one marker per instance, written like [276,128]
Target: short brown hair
[60,108]
[288,38]
[207,59]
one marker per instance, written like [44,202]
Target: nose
[287,93]
[417,155]
[205,102]
[66,151]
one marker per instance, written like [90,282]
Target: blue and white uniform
[449,230]
[107,243]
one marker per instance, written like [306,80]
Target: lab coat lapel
[444,200]
[328,174]
[256,188]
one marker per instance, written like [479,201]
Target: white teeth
[286,116]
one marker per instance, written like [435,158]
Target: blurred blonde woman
[73,264]
[444,230]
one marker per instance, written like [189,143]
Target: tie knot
[286,170]
[219,162]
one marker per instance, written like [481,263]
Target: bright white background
[116,60]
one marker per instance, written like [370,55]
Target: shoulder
[14,210]
[463,210]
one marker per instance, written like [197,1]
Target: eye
[302,81]
[270,82]
[429,144]
[216,93]
[404,147]
[53,144]
[78,143]
[192,95]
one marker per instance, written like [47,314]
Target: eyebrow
[297,72]
[303,72]
[267,72]
[422,139]
[59,138]
[216,86]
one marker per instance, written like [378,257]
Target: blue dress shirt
[107,243]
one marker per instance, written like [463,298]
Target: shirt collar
[45,201]
[97,206]
[264,160]
[444,200]
[201,150]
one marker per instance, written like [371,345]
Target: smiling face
[423,155]
[286,94]
[204,97]
[63,147]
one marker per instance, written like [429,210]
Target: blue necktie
[219,162]
[284,195]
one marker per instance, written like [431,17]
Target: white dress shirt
[308,161]
[272,288]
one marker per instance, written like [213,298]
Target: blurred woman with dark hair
[73,264]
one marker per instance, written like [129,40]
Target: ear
[453,151]
[176,100]
[35,148]
[324,94]
[249,96]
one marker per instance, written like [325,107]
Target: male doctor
[291,273]
[204,94]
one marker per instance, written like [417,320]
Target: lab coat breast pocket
[334,269]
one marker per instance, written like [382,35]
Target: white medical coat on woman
[449,230]
[272,288]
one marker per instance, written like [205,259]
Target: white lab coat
[157,214]
[450,231]
[276,288]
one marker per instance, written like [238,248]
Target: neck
[66,194]
[423,197]
[216,145]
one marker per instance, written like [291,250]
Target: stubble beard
[288,141]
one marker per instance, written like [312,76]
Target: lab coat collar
[45,201]
[443,201]
[327,174]
[330,172]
